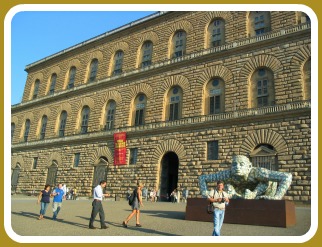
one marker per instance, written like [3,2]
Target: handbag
[210,208]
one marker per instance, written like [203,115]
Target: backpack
[132,197]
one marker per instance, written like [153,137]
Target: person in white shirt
[97,206]
[219,199]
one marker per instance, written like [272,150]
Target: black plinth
[279,213]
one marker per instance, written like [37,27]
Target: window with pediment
[265,156]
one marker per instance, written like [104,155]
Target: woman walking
[44,199]
[137,202]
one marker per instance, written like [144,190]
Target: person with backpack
[135,200]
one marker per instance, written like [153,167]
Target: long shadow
[142,229]
[134,228]
[35,216]
[166,214]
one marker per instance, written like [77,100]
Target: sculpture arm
[284,180]
[203,179]
[258,191]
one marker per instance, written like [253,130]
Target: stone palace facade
[189,89]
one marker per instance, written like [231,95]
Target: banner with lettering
[120,148]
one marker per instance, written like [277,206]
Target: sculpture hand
[249,194]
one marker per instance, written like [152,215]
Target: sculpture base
[278,213]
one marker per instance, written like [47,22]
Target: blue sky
[37,34]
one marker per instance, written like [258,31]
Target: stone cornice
[112,81]
[190,123]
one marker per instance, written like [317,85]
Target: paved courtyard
[157,219]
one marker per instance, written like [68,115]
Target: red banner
[120,148]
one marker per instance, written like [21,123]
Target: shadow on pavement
[142,229]
[35,216]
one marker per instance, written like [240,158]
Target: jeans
[56,208]
[43,207]
[218,221]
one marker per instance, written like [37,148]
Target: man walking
[58,194]
[97,206]
[219,198]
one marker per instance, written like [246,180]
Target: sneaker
[104,227]
[124,224]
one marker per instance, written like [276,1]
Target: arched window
[216,33]
[93,70]
[71,78]
[118,62]
[179,44]
[174,101]
[259,22]
[85,118]
[307,79]
[52,84]
[215,96]
[139,109]
[262,88]
[27,129]
[146,54]
[36,89]
[110,115]
[13,127]
[43,127]
[62,123]
[264,155]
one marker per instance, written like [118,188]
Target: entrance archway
[15,177]
[52,174]
[168,175]
[100,171]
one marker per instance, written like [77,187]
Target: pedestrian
[185,194]
[178,195]
[64,189]
[74,193]
[145,193]
[44,200]
[137,202]
[173,196]
[158,195]
[58,194]
[219,199]
[97,206]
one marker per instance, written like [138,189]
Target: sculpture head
[240,166]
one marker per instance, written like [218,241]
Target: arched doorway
[168,175]
[51,174]
[100,171]
[15,177]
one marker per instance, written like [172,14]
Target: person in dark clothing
[97,206]
[44,199]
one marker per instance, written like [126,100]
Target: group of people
[44,199]
[176,195]
[243,182]
[97,207]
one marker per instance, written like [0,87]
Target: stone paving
[157,219]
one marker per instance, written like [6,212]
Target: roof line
[101,36]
